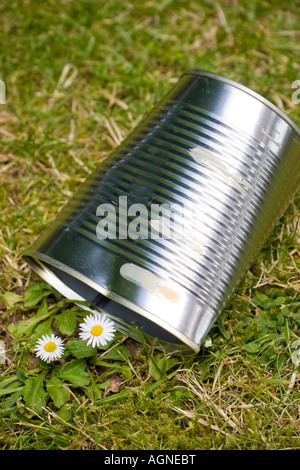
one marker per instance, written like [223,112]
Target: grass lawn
[79,76]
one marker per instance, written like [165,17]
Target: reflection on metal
[208,159]
[149,281]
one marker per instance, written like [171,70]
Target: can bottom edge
[48,269]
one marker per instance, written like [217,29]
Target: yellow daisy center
[50,347]
[96,330]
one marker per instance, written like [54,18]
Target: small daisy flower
[49,347]
[97,330]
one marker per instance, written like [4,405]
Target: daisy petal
[49,347]
[97,329]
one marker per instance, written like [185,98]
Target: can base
[127,320]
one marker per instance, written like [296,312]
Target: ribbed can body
[160,235]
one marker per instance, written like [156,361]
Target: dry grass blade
[193,415]
[207,396]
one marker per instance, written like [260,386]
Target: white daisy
[49,347]
[97,329]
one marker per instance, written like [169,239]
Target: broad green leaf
[80,349]
[43,308]
[273,302]
[10,401]
[252,347]
[261,297]
[116,366]
[25,327]
[43,328]
[22,376]
[10,298]
[64,413]
[58,391]
[66,322]
[34,393]
[266,302]
[36,292]
[8,381]
[75,373]
[118,353]
[10,385]
[10,390]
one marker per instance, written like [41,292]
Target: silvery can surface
[159,236]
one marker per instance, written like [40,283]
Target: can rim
[245,89]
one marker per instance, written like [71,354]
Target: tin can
[160,235]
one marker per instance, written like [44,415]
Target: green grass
[79,76]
